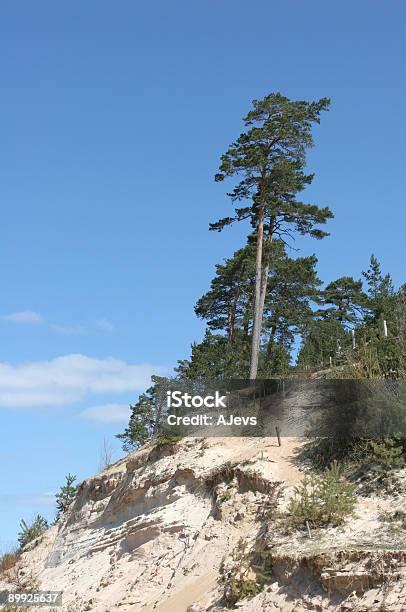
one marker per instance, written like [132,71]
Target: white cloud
[107,413]
[68,330]
[25,316]
[34,318]
[28,499]
[105,325]
[69,379]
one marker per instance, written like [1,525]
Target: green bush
[167,439]
[324,500]
[66,495]
[321,452]
[241,581]
[31,532]
[225,497]
[252,569]
[387,454]
[146,415]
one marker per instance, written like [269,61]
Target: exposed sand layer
[156,529]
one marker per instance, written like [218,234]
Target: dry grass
[8,560]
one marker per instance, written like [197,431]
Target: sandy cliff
[158,530]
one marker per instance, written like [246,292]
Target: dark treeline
[298,309]
[262,302]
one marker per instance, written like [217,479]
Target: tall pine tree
[382,297]
[270,158]
[343,299]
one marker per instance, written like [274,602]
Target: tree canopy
[265,303]
[270,158]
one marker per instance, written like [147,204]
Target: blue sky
[112,120]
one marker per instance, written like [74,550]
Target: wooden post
[353,338]
[278,435]
[385,329]
[331,362]
[308,529]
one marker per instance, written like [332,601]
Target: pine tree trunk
[265,267]
[264,285]
[260,290]
[232,309]
[257,323]
[269,347]
[230,323]
[246,320]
